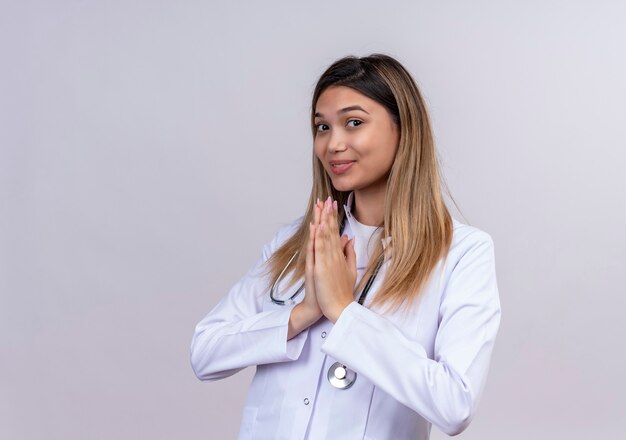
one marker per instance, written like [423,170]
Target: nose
[337,142]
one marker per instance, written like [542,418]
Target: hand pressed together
[330,271]
[330,264]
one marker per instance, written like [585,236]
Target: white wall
[149,149]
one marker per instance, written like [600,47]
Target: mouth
[341,166]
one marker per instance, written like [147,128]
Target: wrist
[336,312]
[301,317]
[306,313]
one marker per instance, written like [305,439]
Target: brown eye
[320,125]
[355,120]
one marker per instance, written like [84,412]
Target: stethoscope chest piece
[340,376]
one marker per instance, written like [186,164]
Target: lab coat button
[306,401]
[323,334]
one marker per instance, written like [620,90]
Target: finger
[351,258]
[331,219]
[310,254]
[334,227]
[319,244]
[333,230]
[309,270]
[330,231]
[317,213]
[344,242]
[325,213]
[322,226]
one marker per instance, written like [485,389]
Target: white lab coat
[413,370]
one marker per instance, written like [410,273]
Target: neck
[369,206]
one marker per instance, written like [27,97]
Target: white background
[149,149]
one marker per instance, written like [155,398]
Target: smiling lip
[340,167]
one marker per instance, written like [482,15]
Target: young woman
[374,314]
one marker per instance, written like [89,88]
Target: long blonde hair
[416,217]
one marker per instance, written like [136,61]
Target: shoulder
[469,270]
[470,245]
[465,237]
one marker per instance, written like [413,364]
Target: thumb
[351,254]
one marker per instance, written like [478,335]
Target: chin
[342,186]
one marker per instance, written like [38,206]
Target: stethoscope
[339,375]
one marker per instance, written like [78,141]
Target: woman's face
[356,139]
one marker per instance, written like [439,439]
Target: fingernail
[318,201]
[335,205]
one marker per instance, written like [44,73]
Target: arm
[444,390]
[237,333]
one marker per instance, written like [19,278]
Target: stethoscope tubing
[281,302]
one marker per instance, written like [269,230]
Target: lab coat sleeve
[444,390]
[237,333]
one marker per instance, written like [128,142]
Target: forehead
[337,97]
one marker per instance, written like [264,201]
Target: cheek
[318,149]
[385,153]
[390,142]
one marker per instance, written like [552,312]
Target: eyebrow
[343,110]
